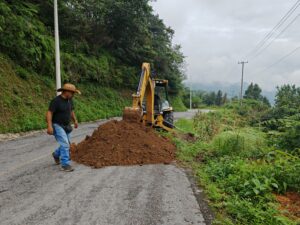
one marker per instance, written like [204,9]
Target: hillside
[24,101]
[103,44]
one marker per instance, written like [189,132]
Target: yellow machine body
[145,95]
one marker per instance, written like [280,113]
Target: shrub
[207,125]
[21,72]
[247,142]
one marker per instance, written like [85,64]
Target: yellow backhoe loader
[150,103]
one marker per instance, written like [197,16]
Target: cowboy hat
[69,87]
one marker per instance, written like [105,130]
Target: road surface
[34,191]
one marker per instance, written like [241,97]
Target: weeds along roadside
[24,99]
[237,167]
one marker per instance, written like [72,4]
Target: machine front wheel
[169,119]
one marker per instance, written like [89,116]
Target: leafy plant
[239,169]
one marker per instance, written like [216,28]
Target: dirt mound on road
[123,143]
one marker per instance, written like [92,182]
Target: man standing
[59,116]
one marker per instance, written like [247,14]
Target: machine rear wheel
[169,119]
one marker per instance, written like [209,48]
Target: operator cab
[161,99]
[161,103]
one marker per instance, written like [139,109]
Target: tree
[224,99]
[219,98]
[285,118]
[102,41]
[266,101]
[287,101]
[253,92]
[210,98]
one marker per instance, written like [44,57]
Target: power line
[280,60]
[276,27]
[267,46]
[283,58]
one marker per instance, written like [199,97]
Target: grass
[237,169]
[25,96]
[245,142]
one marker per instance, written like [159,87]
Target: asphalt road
[34,191]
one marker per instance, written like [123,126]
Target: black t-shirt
[61,109]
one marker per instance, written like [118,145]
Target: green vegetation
[102,41]
[254,92]
[207,99]
[238,165]
[282,122]
[25,96]
[177,104]
[24,101]
[204,99]
[103,44]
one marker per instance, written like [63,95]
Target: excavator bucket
[132,115]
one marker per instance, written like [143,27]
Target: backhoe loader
[150,104]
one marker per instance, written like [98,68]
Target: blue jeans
[63,139]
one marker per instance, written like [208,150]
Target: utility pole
[190,80]
[242,81]
[191,105]
[57,50]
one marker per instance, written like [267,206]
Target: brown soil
[189,137]
[200,157]
[290,202]
[123,143]
[131,115]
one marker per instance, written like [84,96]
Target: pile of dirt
[290,202]
[123,143]
[131,115]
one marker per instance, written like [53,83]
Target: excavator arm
[145,91]
[144,94]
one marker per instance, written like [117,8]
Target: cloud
[215,35]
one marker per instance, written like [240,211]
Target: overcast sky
[216,34]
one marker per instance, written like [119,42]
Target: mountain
[232,89]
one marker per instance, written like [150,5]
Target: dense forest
[103,45]
[102,41]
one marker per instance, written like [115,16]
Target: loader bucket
[132,115]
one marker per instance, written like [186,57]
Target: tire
[169,119]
